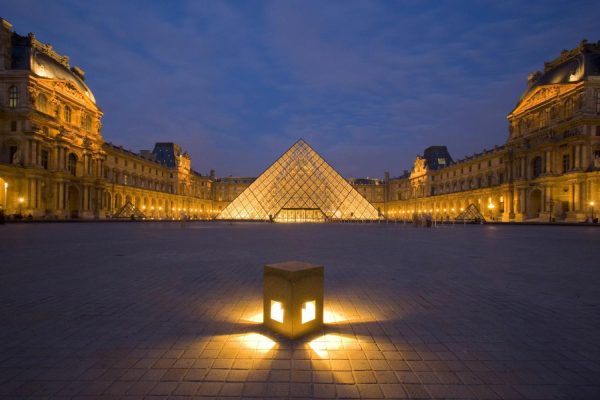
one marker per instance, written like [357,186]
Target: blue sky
[368,84]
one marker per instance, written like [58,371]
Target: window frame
[13,96]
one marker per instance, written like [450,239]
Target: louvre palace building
[54,163]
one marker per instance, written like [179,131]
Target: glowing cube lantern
[293,298]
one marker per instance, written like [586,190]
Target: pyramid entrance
[300,215]
[300,186]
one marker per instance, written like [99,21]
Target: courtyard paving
[161,310]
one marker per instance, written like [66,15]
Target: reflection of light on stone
[256,318]
[323,344]
[308,311]
[276,311]
[256,341]
[331,317]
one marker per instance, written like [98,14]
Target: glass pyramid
[300,187]
[471,213]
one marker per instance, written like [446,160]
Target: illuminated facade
[53,160]
[300,187]
[549,168]
[54,163]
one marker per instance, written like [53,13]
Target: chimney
[5,44]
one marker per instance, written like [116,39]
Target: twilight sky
[368,84]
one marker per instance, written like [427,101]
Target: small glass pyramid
[300,187]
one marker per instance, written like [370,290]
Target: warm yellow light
[152,208]
[21,199]
[173,209]
[491,206]
[592,203]
[331,317]
[323,344]
[452,209]
[256,341]
[160,208]
[462,209]
[276,311]
[309,309]
[143,207]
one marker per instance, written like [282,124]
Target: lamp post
[592,209]
[21,200]
[6,196]
[551,210]
[491,207]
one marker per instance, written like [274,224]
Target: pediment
[540,95]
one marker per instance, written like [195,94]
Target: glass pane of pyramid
[299,187]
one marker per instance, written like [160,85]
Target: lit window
[308,311]
[13,97]
[276,311]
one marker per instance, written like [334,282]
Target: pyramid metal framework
[129,211]
[300,187]
[471,213]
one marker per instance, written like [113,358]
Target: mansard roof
[28,53]
[571,66]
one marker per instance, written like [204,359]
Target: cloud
[369,84]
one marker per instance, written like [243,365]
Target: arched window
[537,166]
[67,115]
[13,97]
[72,164]
[42,103]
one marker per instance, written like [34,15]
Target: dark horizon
[368,85]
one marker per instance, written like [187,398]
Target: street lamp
[592,207]
[6,196]
[491,207]
[21,201]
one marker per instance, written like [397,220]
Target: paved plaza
[161,310]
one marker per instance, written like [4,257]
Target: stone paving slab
[170,311]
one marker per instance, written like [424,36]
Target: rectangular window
[45,159]
[566,163]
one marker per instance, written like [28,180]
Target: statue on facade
[16,158]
